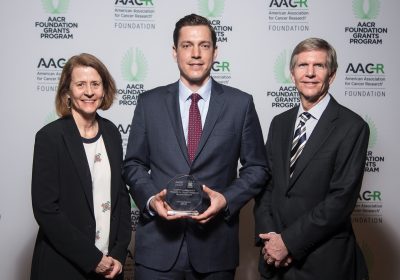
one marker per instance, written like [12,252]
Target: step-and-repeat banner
[255,38]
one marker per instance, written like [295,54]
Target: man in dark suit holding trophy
[200,128]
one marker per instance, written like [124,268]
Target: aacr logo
[373,132]
[134,66]
[289,3]
[61,8]
[135,2]
[211,8]
[124,130]
[366,9]
[281,68]
[51,63]
[369,68]
[221,66]
[370,195]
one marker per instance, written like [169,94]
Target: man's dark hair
[193,20]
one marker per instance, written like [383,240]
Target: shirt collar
[317,110]
[204,91]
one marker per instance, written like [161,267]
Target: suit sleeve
[137,163]
[329,215]
[54,223]
[262,207]
[252,174]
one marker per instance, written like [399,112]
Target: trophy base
[182,213]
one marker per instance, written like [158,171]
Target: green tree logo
[134,66]
[373,132]
[211,8]
[366,9]
[281,68]
[55,7]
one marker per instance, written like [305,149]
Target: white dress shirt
[316,113]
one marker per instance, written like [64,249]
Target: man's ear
[332,77]
[215,52]
[174,52]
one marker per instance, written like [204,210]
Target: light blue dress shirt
[185,101]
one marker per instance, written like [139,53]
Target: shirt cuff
[151,212]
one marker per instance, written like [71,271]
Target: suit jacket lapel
[75,147]
[215,107]
[172,103]
[318,137]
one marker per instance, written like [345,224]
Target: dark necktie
[194,127]
[299,140]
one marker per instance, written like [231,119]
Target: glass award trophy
[184,195]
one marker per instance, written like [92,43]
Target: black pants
[182,270]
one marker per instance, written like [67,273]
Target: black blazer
[62,202]
[231,131]
[312,209]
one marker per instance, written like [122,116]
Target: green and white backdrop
[255,38]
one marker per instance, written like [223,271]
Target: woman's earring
[69,102]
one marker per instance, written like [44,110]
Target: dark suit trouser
[182,270]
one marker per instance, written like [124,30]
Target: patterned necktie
[194,128]
[299,140]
